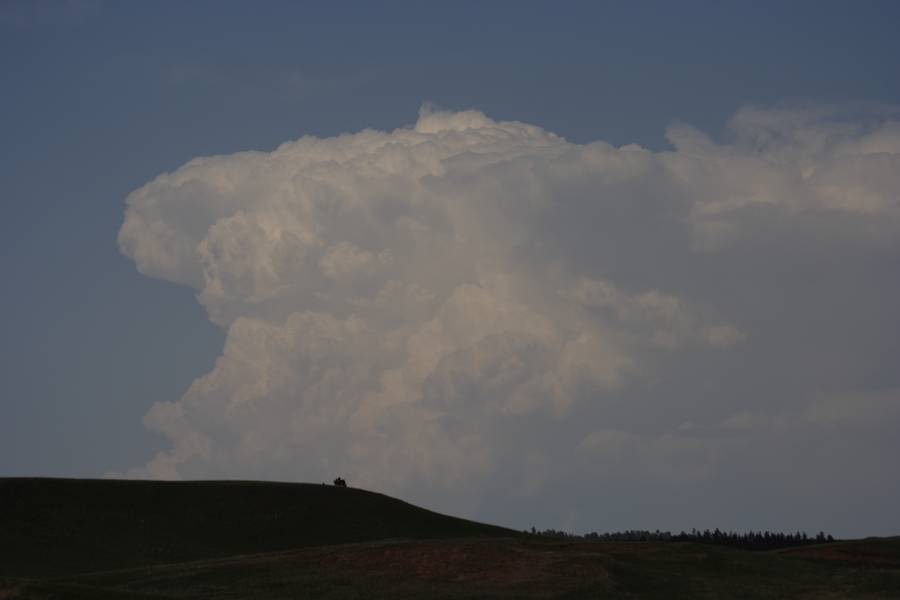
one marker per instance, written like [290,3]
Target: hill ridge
[59,526]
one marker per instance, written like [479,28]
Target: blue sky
[99,98]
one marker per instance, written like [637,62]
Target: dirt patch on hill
[489,563]
[846,553]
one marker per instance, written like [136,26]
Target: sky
[588,266]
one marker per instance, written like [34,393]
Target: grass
[223,540]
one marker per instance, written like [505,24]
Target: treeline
[751,540]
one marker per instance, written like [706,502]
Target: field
[111,539]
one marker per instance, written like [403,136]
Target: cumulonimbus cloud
[463,301]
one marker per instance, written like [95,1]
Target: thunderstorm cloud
[474,313]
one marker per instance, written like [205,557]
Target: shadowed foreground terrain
[137,539]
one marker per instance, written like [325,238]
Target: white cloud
[431,310]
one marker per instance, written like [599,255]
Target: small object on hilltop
[339,482]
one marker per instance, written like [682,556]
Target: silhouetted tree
[339,482]
[751,540]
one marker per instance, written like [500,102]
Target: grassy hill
[77,539]
[63,526]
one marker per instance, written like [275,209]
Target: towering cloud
[468,308]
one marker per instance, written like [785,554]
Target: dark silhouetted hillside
[62,526]
[117,540]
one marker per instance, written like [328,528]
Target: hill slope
[116,540]
[498,568]
[65,526]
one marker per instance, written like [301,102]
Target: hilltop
[226,540]
[64,526]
